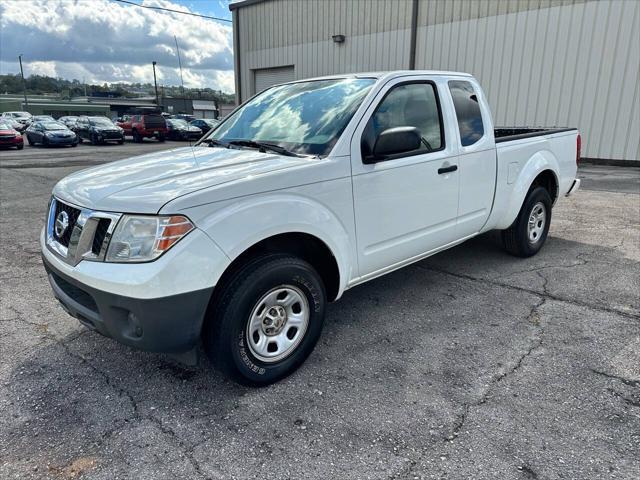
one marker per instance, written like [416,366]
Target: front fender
[537,163]
[237,225]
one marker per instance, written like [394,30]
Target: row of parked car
[71,130]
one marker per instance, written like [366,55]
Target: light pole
[24,85]
[155,82]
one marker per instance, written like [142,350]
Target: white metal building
[541,62]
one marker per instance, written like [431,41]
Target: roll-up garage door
[265,77]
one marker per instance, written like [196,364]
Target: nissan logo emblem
[62,223]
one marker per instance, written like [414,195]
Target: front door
[407,205]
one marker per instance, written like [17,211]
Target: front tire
[266,319]
[527,234]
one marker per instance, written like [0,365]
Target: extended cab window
[408,105]
[468,112]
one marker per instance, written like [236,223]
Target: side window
[468,112]
[408,105]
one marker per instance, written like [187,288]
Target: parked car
[50,133]
[69,121]
[98,130]
[152,125]
[9,136]
[13,123]
[43,118]
[181,130]
[305,191]
[183,116]
[204,124]
[22,117]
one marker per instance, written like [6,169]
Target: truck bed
[506,134]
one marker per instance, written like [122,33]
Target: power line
[173,11]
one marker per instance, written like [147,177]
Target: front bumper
[155,306]
[168,324]
[62,140]
[11,142]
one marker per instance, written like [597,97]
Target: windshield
[178,122]
[101,122]
[305,117]
[53,126]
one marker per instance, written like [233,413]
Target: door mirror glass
[394,141]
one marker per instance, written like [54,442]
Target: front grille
[75,293]
[73,214]
[101,233]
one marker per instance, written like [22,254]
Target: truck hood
[145,183]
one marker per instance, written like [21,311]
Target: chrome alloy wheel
[537,221]
[278,323]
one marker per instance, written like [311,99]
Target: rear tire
[266,319]
[526,236]
[20,146]
[29,141]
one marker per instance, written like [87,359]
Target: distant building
[541,62]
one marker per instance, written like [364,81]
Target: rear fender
[537,163]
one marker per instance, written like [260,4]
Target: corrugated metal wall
[541,62]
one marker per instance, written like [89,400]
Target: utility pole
[155,82]
[184,100]
[24,84]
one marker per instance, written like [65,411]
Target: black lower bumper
[168,324]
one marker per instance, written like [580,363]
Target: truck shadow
[420,339]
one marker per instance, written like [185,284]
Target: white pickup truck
[306,190]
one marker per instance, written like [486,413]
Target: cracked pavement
[470,364]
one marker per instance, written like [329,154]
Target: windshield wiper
[263,146]
[211,142]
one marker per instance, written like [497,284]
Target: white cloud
[103,41]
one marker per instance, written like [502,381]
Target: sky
[102,41]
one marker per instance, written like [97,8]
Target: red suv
[144,126]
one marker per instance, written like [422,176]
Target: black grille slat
[100,235]
[73,214]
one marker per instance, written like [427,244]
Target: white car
[308,189]
[22,117]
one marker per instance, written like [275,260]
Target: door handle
[452,168]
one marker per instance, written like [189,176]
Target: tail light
[578,148]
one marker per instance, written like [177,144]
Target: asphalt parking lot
[470,364]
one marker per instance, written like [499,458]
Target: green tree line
[41,84]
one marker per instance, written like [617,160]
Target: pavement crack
[626,381]
[187,451]
[537,338]
[544,293]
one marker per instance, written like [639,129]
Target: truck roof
[387,74]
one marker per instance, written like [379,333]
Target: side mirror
[394,141]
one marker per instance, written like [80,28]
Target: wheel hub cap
[537,221]
[274,320]
[277,323]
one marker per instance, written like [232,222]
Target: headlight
[140,238]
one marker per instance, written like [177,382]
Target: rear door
[405,206]
[477,158]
